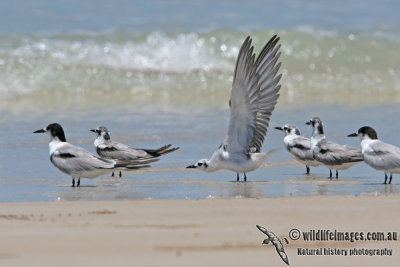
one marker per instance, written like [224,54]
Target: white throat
[99,141]
[366,142]
[316,137]
[54,144]
[288,139]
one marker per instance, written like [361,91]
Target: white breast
[289,139]
[54,145]
[366,145]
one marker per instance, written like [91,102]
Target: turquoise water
[160,72]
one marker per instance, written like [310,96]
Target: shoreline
[191,232]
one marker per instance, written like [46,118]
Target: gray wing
[73,159]
[383,155]
[254,95]
[269,88]
[334,154]
[115,150]
[301,148]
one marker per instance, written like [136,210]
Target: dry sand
[209,232]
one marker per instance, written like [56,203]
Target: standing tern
[254,95]
[377,154]
[80,163]
[109,149]
[298,146]
[330,154]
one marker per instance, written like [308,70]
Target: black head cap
[369,131]
[56,130]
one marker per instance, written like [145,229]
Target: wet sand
[207,232]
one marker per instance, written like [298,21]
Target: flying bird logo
[276,241]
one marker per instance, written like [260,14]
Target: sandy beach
[208,232]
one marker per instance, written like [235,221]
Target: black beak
[40,131]
[191,167]
[352,135]
[308,123]
[93,130]
[279,128]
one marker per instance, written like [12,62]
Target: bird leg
[330,174]
[245,178]
[79,182]
[120,174]
[337,174]
[308,170]
[385,178]
[112,174]
[390,181]
[237,177]
[73,182]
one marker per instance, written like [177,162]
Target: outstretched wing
[265,231]
[284,256]
[276,242]
[253,97]
[280,249]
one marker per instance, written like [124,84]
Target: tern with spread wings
[254,95]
